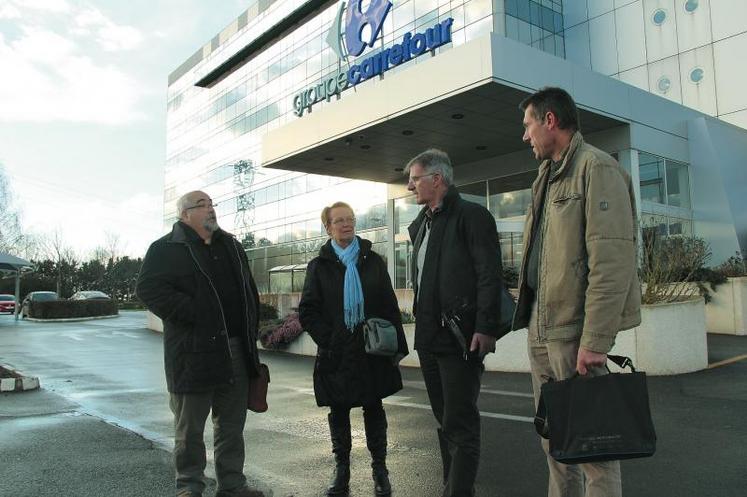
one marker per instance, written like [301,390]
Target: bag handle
[540,418]
[622,361]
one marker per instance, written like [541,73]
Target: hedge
[61,309]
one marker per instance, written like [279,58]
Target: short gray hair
[434,160]
[182,204]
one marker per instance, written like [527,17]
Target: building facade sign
[411,46]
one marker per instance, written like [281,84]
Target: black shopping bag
[600,418]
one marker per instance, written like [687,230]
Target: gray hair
[183,203]
[434,160]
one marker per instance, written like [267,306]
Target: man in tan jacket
[578,283]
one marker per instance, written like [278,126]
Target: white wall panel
[698,95]
[731,73]
[693,28]
[669,69]
[577,47]
[637,77]
[599,7]
[574,12]
[661,41]
[604,44]
[631,39]
[736,118]
[728,18]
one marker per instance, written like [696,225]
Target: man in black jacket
[456,278]
[197,280]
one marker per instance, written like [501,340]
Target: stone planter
[727,311]
[510,352]
[153,322]
[670,340]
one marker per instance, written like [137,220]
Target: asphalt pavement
[101,426]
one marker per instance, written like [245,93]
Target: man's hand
[482,343]
[588,359]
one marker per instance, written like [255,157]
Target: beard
[210,225]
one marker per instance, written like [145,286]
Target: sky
[83,107]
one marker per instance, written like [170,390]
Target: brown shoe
[241,492]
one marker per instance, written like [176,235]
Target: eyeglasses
[208,205]
[415,179]
[343,220]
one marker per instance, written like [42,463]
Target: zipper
[243,292]
[217,297]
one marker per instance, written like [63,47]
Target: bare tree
[11,234]
[59,251]
[112,245]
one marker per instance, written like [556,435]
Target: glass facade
[537,23]
[665,195]
[214,134]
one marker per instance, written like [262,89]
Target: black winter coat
[175,286]
[462,273]
[344,374]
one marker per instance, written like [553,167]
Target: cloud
[57,65]
[110,36]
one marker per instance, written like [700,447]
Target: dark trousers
[191,410]
[453,386]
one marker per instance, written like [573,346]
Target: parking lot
[111,370]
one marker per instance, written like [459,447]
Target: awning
[11,263]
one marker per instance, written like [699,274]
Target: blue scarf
[353,291]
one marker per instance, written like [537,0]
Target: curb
[69,320]
[18,383]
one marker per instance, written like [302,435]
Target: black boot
[445,454]
[374,419]
[339,430]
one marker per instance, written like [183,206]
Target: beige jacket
[588,281]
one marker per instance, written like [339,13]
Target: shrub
[279,336]
[132,305]
[61,309]
[267,312]
[511,276]
[670,265]
[733,267]
[407,317]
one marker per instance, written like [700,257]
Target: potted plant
[671,338]
[727,311]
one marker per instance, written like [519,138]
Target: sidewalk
[49,449]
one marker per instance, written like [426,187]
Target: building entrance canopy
[453,101]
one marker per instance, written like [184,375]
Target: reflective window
[651,170]
[678,184]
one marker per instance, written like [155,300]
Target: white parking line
[398,400]
[421,386]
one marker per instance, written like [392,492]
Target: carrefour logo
[351,41]
[356,20]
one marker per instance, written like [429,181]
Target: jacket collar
[327,252]
[182,233]
[576,141]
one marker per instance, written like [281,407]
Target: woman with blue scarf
[345,285]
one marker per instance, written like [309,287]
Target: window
[651,170]
[678,184]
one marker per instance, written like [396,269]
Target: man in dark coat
[197,280]
[457,279]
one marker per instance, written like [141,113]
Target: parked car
[36,297]
[90,295]
[7,303]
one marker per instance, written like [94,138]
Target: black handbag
[600,418]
